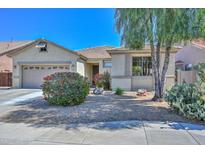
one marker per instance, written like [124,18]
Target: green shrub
[119,91]
[200,69]
[188,100]
[106,80]
[65,88]
[102,80]
[137,70]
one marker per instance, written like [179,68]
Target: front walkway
[118,132]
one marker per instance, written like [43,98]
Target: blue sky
[72,28]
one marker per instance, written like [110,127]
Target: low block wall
[124,83]
[142,82]
[187,76]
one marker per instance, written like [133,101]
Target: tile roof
[96,52]
[6,46]
[199,42]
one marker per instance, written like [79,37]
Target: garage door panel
[32,76]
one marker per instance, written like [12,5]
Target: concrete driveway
[12,96]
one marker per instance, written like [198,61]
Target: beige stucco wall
[31,55]
[103,69]
[121,82]
[122,71]
[144,82]
[88,71]
[81,67]
[187,76]
[118,65]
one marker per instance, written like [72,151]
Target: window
[42,46]
[31,67]
[37,68]
[107,63]
[43,49]
[61,67]
[142,66]
[188,67]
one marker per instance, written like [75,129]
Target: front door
[95,71]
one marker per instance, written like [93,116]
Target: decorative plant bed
[142,92]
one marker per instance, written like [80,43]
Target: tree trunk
[158,70]
[153,55]
[156,77]
[165,68]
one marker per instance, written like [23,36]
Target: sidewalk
[118,132]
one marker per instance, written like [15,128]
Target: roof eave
[123,51]
[12,52]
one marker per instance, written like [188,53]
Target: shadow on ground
[38,113]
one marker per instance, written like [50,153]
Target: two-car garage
[32,75]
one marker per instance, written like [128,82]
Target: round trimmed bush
[65,88]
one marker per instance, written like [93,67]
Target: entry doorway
[95,72]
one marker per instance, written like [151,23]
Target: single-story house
[187,57]
[32,60]
[191,55]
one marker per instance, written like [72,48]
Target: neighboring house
[186,58]
[33,60]
[5,64]
[191,54]
[5,61]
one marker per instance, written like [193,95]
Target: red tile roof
[96,52]
[5,61]
[6,46]
[199,42]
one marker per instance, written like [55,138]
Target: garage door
[32,76]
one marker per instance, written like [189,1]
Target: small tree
[160,28]
[106,80]
[102,80]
